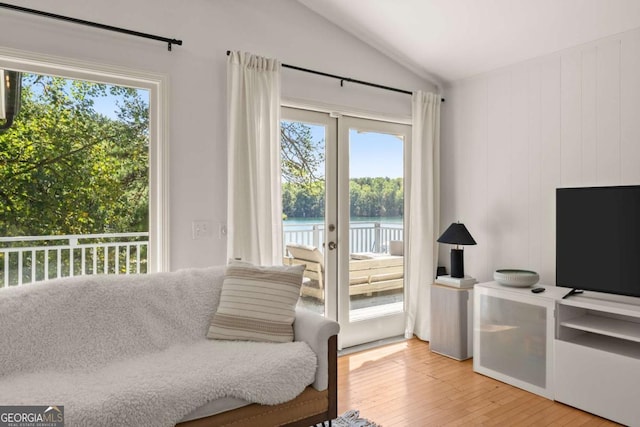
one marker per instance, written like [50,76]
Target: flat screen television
[598,239]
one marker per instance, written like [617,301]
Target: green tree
[369,197]
[66,169]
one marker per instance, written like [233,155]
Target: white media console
[583,351]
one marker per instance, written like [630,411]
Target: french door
[343,202]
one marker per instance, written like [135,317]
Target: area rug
[351,418]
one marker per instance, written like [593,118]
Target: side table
[452,321]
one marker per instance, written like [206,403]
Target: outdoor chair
[368,272]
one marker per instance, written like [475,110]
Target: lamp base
[457,263]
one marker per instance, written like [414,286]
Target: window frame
[157,85]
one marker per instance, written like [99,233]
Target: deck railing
[27,259]
[363,237]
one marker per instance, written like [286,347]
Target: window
[82,172]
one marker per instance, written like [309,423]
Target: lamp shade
[457,234]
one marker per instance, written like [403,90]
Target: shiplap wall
[512,136]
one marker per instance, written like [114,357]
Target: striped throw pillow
[257,303]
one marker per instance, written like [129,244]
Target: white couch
[131,350]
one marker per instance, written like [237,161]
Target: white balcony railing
[363,237]
[27,259]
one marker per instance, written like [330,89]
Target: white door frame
[375,328]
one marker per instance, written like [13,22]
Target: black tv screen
[598,239]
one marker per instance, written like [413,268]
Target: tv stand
[583,351]
[573,291]
[597,355]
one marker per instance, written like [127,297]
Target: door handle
[332,245]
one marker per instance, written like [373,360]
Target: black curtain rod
[344,79]
[93,24]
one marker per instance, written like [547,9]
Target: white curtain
[254,204]
[423,191]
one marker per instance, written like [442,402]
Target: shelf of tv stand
[615,328]
[617,318]
[614,304]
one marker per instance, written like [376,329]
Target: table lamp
[457,234]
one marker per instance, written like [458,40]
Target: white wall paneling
[589,117]
[571,124]
[519,182]
[475,195]
[498,113]
[629,98]
[567,119]
[450,131]
[608,118]
[549,166]
[534,156]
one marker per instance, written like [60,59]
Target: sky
[107,106]
[371,154]
[375,155]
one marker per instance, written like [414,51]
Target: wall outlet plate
[201,230]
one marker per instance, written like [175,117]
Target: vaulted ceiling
[447,40]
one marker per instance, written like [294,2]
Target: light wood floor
[405,384]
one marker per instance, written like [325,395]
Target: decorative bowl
[516,278]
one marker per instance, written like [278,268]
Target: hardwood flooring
[404,384]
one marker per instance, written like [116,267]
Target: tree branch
[54,159]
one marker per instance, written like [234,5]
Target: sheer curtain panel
[423,190]
[254,204]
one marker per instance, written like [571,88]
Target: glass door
[308,151]
[371,229]
[343,218]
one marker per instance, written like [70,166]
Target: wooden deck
[405,384]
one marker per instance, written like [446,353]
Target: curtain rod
[344,79]
[93,24]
